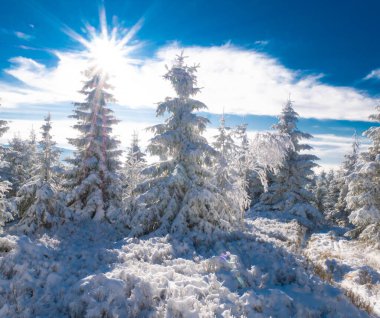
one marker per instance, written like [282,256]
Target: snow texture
[89,270]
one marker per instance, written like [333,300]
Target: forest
[233,227]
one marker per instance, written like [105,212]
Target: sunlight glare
[108,51]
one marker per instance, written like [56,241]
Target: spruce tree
[20,157]
[37,199]
[225,145]
[93,180]
[363,200]
[320,191]
[3,126]
[5,185]
[230,176]
[333,179]
[179,194]
[134,164]
[289,191]
[348,167]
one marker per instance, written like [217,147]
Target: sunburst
[107,50]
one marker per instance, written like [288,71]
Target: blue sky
[253,54]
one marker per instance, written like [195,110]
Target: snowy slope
[350,265]
[91,270]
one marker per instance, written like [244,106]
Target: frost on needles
[38,200]
[93,180]
[180,194]
[288,184]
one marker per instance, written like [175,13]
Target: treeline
[195,187]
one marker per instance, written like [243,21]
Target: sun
[105,50]
[106,54]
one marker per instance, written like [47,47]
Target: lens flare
[107,50]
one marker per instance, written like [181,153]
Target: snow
[350,265]
[92,269]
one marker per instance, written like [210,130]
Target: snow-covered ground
[350,265]
[92,270]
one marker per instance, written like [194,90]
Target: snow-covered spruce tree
[230,176]
[20,157]
[363,200]
[3,126]
[179,195]
[224,141]
[246,163]
[332,195]
[343,178]
[288,190]
[5,216]
[4,184]
[320,191]
[93,180]
[134,164]
[37,199]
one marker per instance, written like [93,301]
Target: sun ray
[107,49]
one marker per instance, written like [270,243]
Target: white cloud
[23,36]
[331,149]
[238,80]
[375,74]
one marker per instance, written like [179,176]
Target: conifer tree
[320,191]
[3,126]
[5,185]
[20,157]
[134,164]
[37,199]
[93,180]
[332,195]
[289,190]
[347,169]
[226,147]
[179,194]
[363,200]
[230,176]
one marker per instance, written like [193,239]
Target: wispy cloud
[375,74]
[23,36]
[240,81]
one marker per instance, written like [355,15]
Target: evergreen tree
[179,194]
[94,183]
[37,199]
[363,200]
[320,191]
[133,176]
[5,216]
[224,141]
[246,165]
[226,147]
[3,126]
[289,190]
[4,184]
[332,195]
[20,157]
[347,169]
[230,174]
